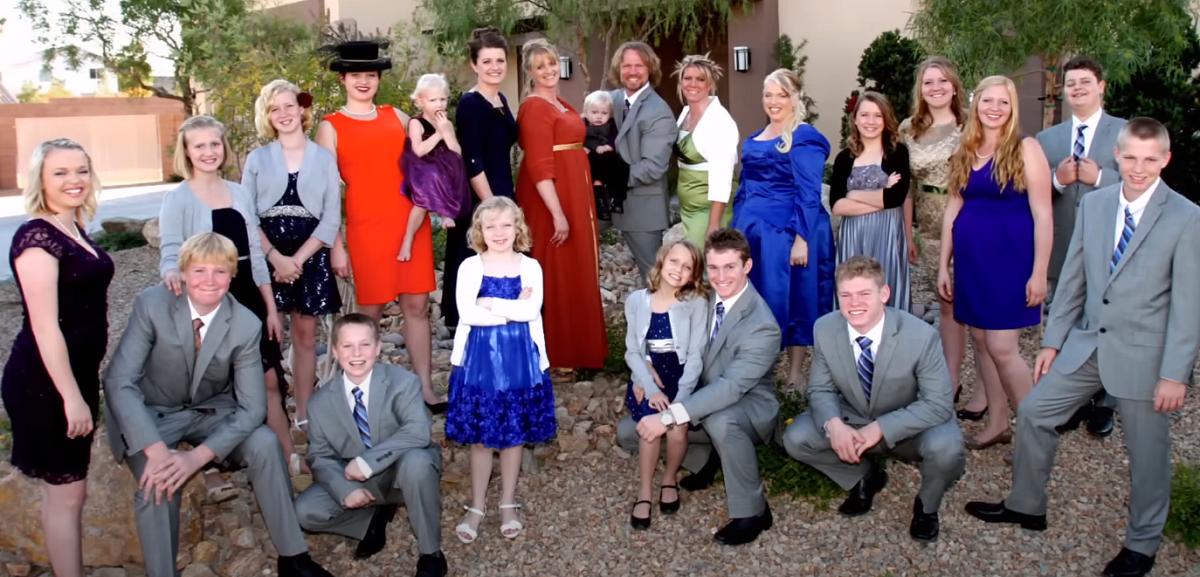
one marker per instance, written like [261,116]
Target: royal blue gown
[779,197]
[993,255]
[500,397]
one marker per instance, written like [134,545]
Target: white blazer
[716,137]
[470,279]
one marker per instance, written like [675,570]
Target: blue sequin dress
[500,397]
[666,363]
[288,225]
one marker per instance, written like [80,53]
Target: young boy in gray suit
[370,450]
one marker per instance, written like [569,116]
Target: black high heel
[672,507]
[640,523]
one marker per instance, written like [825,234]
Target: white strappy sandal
[515,526]
[465,529]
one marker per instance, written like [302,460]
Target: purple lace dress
[436,182]
[41,448]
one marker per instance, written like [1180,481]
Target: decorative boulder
[151,232]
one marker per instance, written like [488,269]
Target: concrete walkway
[129,202]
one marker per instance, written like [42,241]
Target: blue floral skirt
[500,397]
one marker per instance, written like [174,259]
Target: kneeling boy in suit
[370,450]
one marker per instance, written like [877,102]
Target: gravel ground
[576,510]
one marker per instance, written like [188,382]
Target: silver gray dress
[879,235]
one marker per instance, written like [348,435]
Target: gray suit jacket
[155,373]
[395,414]
[689,335]
[645,140]
[1143,320]
[319,184]
[183,215]
[910,391]
[740,363]
[1057,141]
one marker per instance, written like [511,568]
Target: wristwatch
[668,420]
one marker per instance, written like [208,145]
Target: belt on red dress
[572,146]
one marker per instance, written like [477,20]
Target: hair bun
[479,33]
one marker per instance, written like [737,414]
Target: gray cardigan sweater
[689,320]
[319,184]
[183,216]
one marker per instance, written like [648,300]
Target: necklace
[983,156]
[73,234]
[352,113]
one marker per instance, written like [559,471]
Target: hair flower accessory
[305,99]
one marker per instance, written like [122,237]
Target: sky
[18,41]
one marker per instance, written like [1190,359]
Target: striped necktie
[717,325]
[1123,243]
[360,417]
[1077,150]
[866,365]
[625,113]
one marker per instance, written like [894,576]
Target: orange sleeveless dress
[368,156]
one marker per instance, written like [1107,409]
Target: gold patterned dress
[929,160]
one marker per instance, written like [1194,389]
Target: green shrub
[439,244]
[1183,521]
[610,237]
[5,434]
[119,240]
[784,475]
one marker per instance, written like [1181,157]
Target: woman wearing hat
[368,141]
[298,195]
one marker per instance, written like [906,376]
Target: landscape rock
[198,570]
[18,569]
[242,538]
[152,233]
[109,533]
[109,572]
[572,443]
[246,564]
[124,224]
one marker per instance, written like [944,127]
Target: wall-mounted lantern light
[741,58]
[564,67]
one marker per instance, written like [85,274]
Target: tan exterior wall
[371,15]
[837,34]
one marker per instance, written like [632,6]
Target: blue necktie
[1126,236]
[360,417]
[866,365]
[1077,150]
[717,325]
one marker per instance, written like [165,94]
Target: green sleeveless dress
[692,189]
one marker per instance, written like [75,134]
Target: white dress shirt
[1089,134]
[875,334]
[1136,208]
[632,98]
[206,319]
[365,387]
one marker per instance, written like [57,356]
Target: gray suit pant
[644,245]
[259,454]
[414,481]
[938,449]
[731,432]
[1147,442]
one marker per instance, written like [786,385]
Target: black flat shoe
[998,513]
[665,507]
[745,530]
[1129,564]
[1100,422]
[432,565]
[376,537]
[862,494]
[702,479]
[965,415]
[640,523]
[925,526]
[437,408]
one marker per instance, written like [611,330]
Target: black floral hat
[359,56]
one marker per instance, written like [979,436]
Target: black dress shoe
[702,479]
[432,565]
[1129,564]
[998,513]
[437,408]
[672,507]
[1100,423]
[376,537]
[862,495]
[640,523]
[1077,419]
[301,565]
[746,529]
[925,526]
[965,415]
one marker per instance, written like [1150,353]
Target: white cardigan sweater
[470,279]
[716,138]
